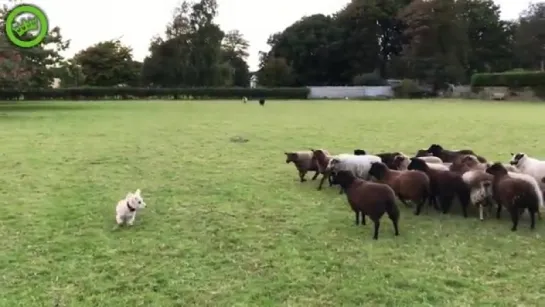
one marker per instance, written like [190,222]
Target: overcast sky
[87,22]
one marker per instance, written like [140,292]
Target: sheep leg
[489,203]
[464,208]
[432,201]
[532,219]
[341,191]
[481,212]
[326,174]
[316,175]
[357,217]
[393,214]
[302,176]
[445,201]
[377,226]
[464,201]
[498,212]
[403,201]
[363,218]
[515,218]
[396,226]
[419,207]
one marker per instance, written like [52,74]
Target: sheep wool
[358,165]
[534,184]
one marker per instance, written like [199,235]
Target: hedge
[514,79]
[126,93]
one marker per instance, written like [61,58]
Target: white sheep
[437,166]
[529,165]
[431,159]
[328,169]
[358,165]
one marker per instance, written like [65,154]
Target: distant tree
[234,55]
[70,74]
[311,48]
[107,63]
[438,45]
[191,53]
[530,37]
[378,22]
[275,72]
[490,38]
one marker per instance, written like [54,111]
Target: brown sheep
[304,162]
[445,185]
[400,163]
[408,185]
[450,155]
[322,158]
[369,198]
[514,194]
[422,153]
[465,163]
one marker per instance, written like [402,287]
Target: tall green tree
[275,72]
[191,53]
[382,20]
[530,37]
[234,56]
[108,63]
[311,48]
[490,38]
[438,46]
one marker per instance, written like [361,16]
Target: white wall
[317,92]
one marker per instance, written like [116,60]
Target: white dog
[126,208]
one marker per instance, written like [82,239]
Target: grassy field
[228,224]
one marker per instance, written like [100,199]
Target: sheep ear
[137,192]
[286,153]
[311,149]
[512,154]
[129,195]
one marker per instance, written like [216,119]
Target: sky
[87,22]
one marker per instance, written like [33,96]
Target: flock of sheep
[434,175]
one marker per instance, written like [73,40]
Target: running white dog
[126,208]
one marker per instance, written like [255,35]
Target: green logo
[19,30]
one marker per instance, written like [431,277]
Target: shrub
[369,79]
[410,89]
[125,93]
[511,79]
[515,80]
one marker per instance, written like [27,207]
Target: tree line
[435,41]
[366,42]
[193,51]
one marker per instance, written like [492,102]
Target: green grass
[228,224]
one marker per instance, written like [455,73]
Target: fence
[317,92]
